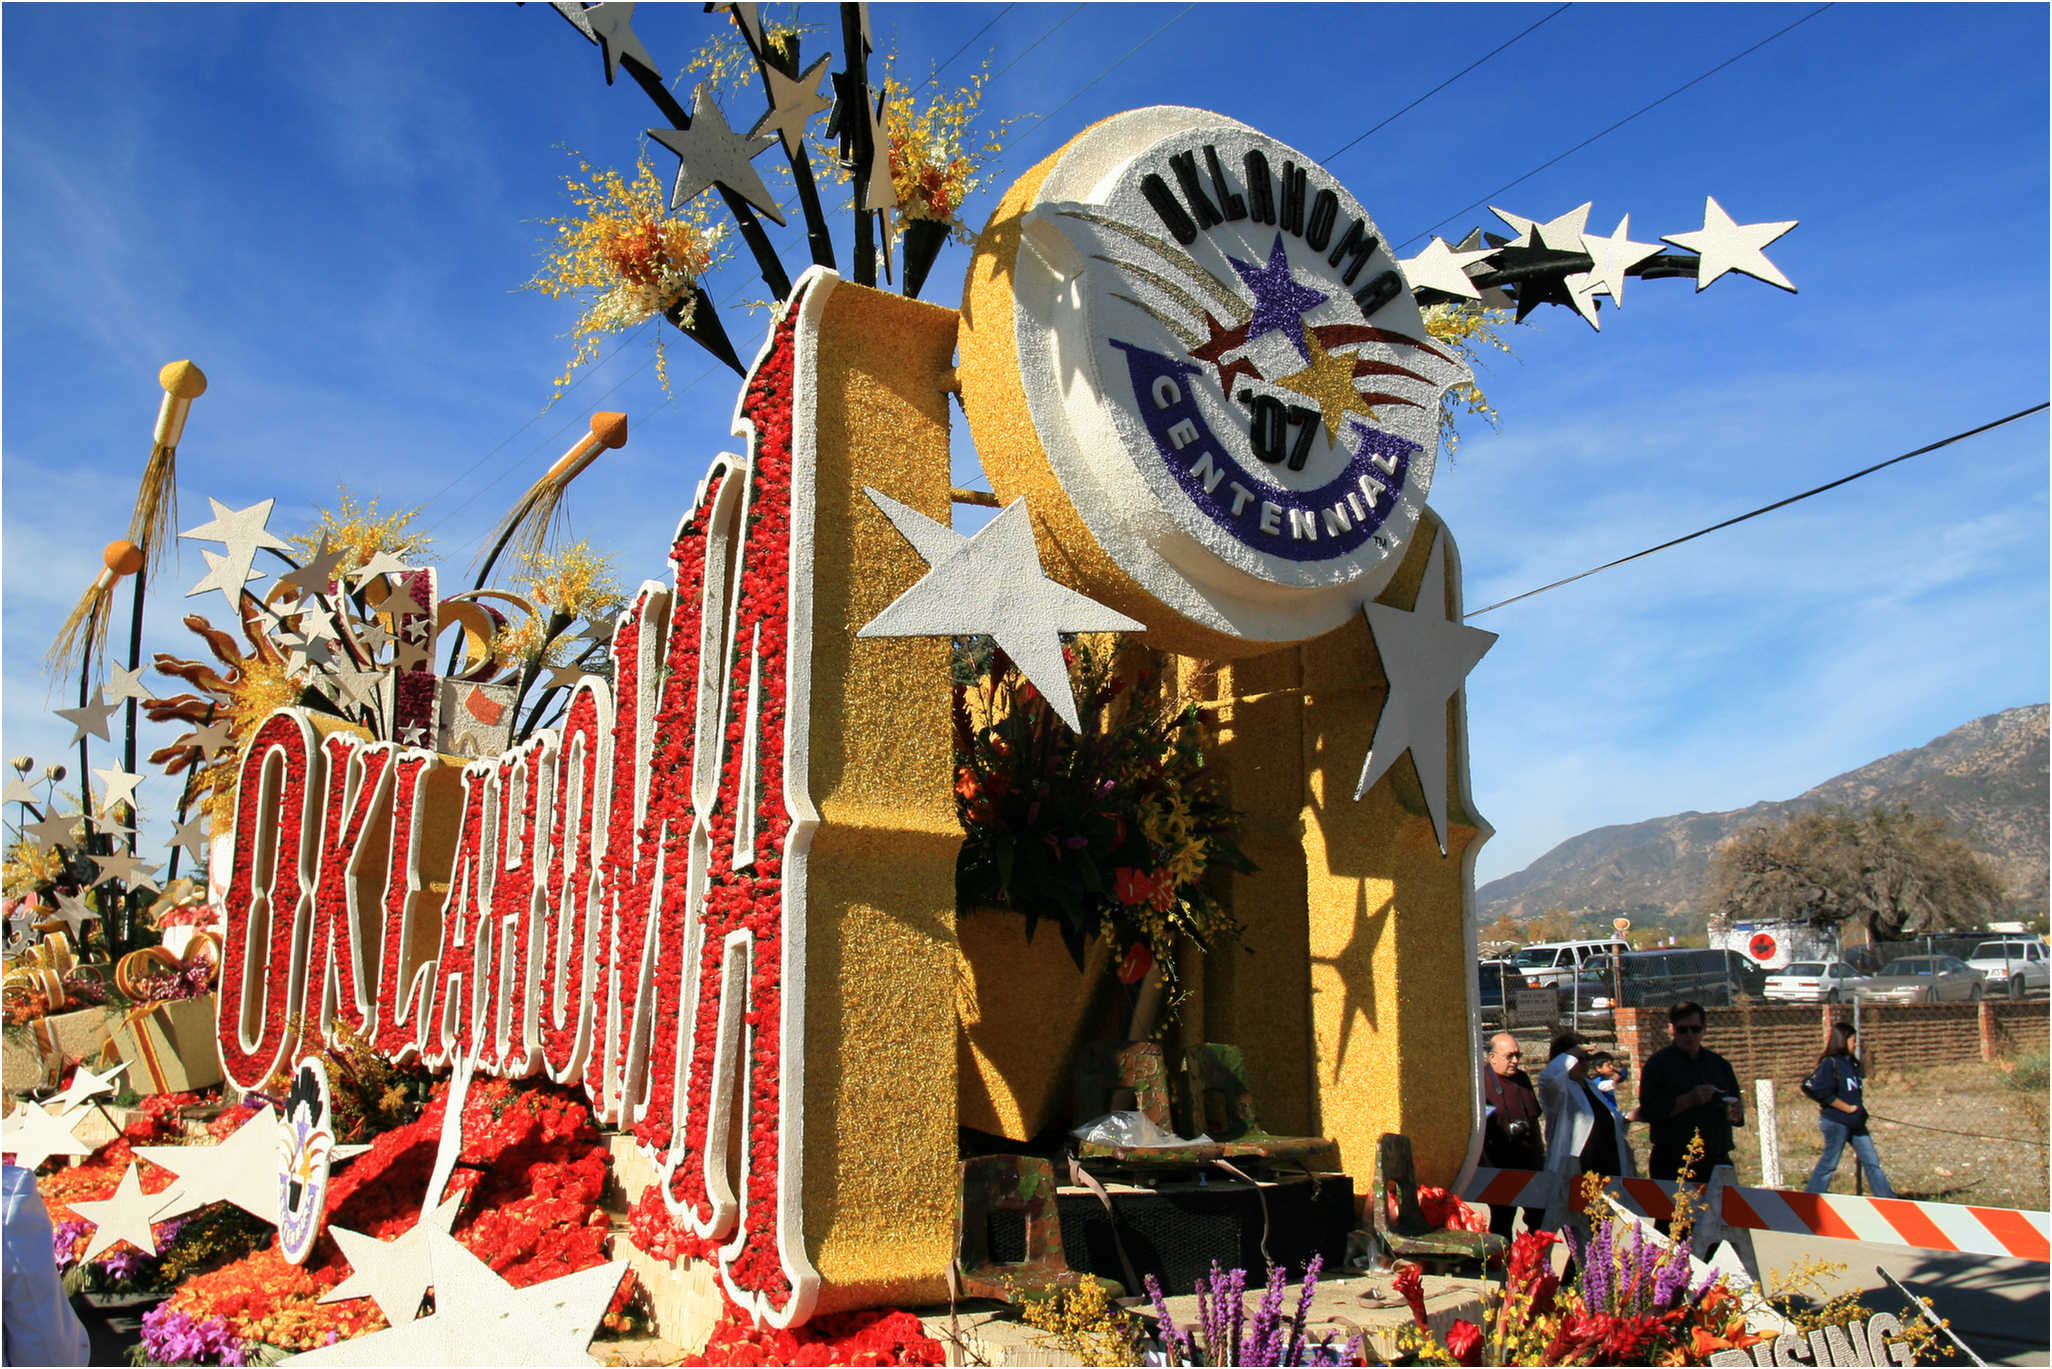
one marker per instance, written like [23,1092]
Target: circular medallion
[1761,947]
[1222,371]
[305,1143]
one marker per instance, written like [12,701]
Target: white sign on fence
[1535,1007]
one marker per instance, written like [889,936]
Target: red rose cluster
[875,1336]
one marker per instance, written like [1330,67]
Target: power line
[1643,109]
[1035,43]
[965,47]
[1449,80]
[1040,119]
[1767,508]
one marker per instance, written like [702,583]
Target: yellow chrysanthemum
[360,533]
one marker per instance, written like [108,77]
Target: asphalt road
[1999,1307]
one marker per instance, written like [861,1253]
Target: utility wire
[1449,81]
[1040,119]
[1035,43]
[1643,109]
[1974,1135]
[1768,508]
[965,47]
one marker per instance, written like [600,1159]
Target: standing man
[1688,1089]
[1510,1125]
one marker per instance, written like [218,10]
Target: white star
[1427,658]
[1441,268]
[1520,225]
[711,153]
[32,1135]
[192,835]
[611,26]
[88,717]
[228,574]
[479,1318]
[73,914]
[123,683]
[132,871]
[20,790]
[1613,256]
[566,676]
[382,563]
[991,585]
[394,1274]
[793,101]
[242,531]
[55,828]
[1727,246]
[212,738]
[117,786]
[318,574]
[242,1170]
[86,1086]
[123,1217]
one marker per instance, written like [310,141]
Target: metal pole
[1930,1314]
[1769,1118]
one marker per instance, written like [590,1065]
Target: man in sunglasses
[1510,1126]
[1688,1089]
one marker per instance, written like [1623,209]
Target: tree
[1897,872]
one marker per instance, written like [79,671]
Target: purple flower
[64,1240]
[1262,1345]
[1596,1270]
[123,1263]
[1293,1349]
[1672,1278]
[171,1337]
[1173,1338]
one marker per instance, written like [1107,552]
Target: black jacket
[1838,1079]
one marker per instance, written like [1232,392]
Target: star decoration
[1547,285]
[70,910]
[212,738]
[86,1086]
[394,1274]
[1329,382]
[573,10]
[403,602]
[31,1134]
[20,790]
[611,26]
[410,656]
[745,19]
[117,786]
[352,687]
[192,835]
[318,574]
[1519,224]
[88,717]
[599,630]
[243,532]
[566,676]
[1613,256]
[242,1170]
[381,564]
[479,1318]
[123,1217]
[373,636]
[132,871]
[711,153]
[228,574]
[793,102]
[55,829]
[1426,658]
[123,683]
[1214,348]
[991,585]
[1727,246]
[1279,302]
[1443,268]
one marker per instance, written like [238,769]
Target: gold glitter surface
[879,1183]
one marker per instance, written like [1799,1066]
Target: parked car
[1499,980]
[1813,981]
[2018,966]
[1922,979]
[1658,979]
[1559,963]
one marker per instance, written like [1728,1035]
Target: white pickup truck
[2015,966]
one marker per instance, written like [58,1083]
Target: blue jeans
[1836,1134]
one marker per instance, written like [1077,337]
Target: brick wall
[1782,1042]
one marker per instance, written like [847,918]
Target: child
[1604,1073]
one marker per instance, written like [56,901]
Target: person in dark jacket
[1688,1089]
[1837,1089]
[1510,1127]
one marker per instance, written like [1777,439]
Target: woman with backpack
[1836,1088]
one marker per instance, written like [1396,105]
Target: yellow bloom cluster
[575,582]
[626,256]
[1466,326]
[360,533]
[254,692]
[937,150]
[29,867]
[1085,1323]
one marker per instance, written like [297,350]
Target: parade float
[732,957]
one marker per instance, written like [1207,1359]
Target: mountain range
[1986,778]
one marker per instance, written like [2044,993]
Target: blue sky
[331,209]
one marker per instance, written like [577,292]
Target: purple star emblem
[1279,302]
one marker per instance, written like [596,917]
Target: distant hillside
[1986,778]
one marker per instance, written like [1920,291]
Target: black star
[1536,274]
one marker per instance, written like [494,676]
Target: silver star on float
[89,717]
[381,563]
[991,585]
[212,738]
[243,532]
[1442,268]
[117,786]
[1426,657]
[20,790]
[317,574]
[794,100]
[479,1318]
[573,10]
[31,1134]
[394,1274]
[123,683]
[123,1217]
[1727,246]
[132,871]
[228,574]
[1519,224]
[611,26]
[192,835]
[86,1086]
[70,910]
[1613,256]
[55,828]
[242,1170]
[711,153]
[880,192]
[566,676]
